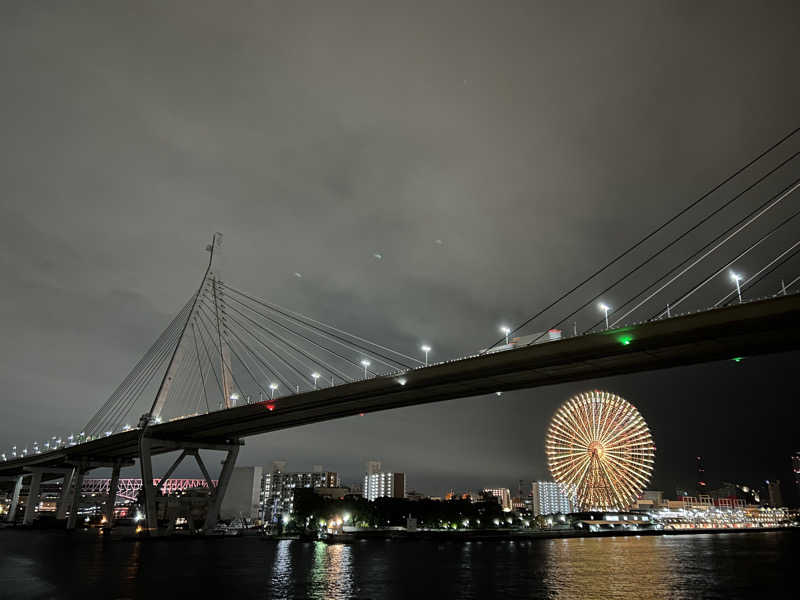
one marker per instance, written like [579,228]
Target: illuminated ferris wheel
[600,451]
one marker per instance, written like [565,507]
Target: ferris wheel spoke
[573,429]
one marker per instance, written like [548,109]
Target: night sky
[492,153]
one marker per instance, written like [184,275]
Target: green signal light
[625,340]
[738,359]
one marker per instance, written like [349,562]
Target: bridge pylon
[188,447]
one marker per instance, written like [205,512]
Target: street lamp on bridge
[737,278]
[315,376]
[605,308]
[365,364]
[425,348]
[272,387]
[506,331]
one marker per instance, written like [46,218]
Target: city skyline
[459,212]
[380,299]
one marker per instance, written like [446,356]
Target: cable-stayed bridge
[232,365]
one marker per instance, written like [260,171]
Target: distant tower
[702,484]
[796,469]
[774,493]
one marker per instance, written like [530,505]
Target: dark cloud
[535,140]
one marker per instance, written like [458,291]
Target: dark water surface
[56,565]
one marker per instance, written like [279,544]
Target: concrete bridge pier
[66,489]
[112,494]
[74,497]
[33,498]
[71,495]
[12,510]
[187,448]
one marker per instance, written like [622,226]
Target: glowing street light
[605,308]
[365,363]
[273,387]
[425,348]
[737,278]
[315,376]
[506,331]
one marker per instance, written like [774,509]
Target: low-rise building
[503,496]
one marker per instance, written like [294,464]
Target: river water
[57,565]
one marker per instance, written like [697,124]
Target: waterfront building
[378,484]
[278,485]
[676,515]
[242,501]
[548,498]
[796,471]
[649,499]
[503,496]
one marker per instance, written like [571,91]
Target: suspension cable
[648,236]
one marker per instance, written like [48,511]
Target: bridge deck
[759,327]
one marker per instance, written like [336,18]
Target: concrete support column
[163,481]
[112,493]
[33,498]
[63,501]
[222,485]
[146,464]
[203,469]
[75,498]
[12,511]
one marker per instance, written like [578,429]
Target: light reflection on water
[282,569]
[708,566]
[637,567]
[331,573]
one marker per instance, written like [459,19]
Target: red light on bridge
[360,414]
[270,407]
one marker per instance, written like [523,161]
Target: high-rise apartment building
[378,484]
[548,498]
[278,485]
[774,493]
[796,470]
